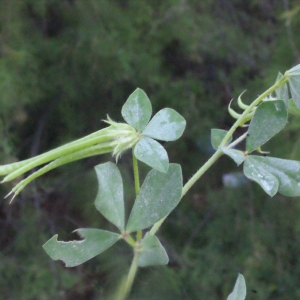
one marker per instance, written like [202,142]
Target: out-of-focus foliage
[65,64]
[247,233]
[24,271]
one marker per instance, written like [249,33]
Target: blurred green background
[66,64]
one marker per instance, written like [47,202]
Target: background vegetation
[65,64]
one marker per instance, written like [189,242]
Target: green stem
[130,277]
[190,183]
[129,240]
[136,176]
[139,235]
[132,272]
[126,288]
[201,171]
[237,141]
[156,226]
[259,99]
[225,140]
[136,173]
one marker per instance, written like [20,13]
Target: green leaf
[293,109]
[295,90]
[158,196]
[137,110]
[274,174]
[166,125]
[282,93]
[270,117]
[152,252]
[294,71]
[237,155]
[77,252]
[294,83]
[256,172]
[110,200]
[152,153]
[217,135]
[239,291]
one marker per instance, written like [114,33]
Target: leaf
[217,135]
[152,153]
[282,93]
[110,200]
[137,110]
[295,90]
[166,125]
[239,291]
[274,174]
[77,252]
[294,71]
[256,172]
[237,155]
[270,117]
[294,83]
[293,109]
[158,196]
[152,253]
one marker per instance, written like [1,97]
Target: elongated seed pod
[91,151]
[116,138]
[54,154]
[9,168]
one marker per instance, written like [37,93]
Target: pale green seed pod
[115,139]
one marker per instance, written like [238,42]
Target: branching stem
[225,140]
